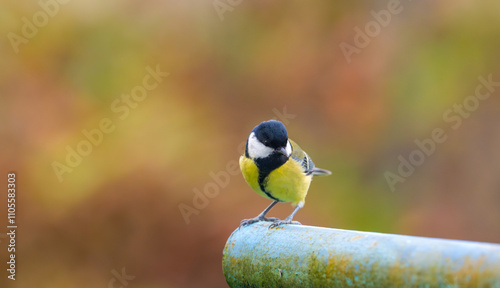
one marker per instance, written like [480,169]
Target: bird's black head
[269,140]
[272,134]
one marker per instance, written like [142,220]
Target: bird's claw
[282,222]
[246,222]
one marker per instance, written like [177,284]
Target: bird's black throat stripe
[266,166]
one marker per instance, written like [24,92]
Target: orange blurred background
[100,68]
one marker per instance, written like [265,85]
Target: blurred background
[355,83]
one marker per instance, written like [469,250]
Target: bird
[277,168]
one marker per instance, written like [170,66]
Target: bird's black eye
[265,138]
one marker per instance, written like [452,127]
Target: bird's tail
[319,172]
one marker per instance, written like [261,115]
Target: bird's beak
[282,150]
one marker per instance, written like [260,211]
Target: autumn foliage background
[119,207]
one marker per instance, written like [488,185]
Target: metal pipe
[306,256]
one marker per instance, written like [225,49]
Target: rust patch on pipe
[355,238]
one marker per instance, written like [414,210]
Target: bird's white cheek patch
[256,149]
[288,149]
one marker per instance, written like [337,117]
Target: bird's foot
[283,222]
[246,222]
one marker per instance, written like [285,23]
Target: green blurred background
[119,208]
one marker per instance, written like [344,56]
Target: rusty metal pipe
[306,256]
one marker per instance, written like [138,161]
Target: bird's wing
[305,161]
[301,156]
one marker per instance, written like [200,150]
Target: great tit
[277,168]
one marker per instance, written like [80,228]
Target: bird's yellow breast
[287,183]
